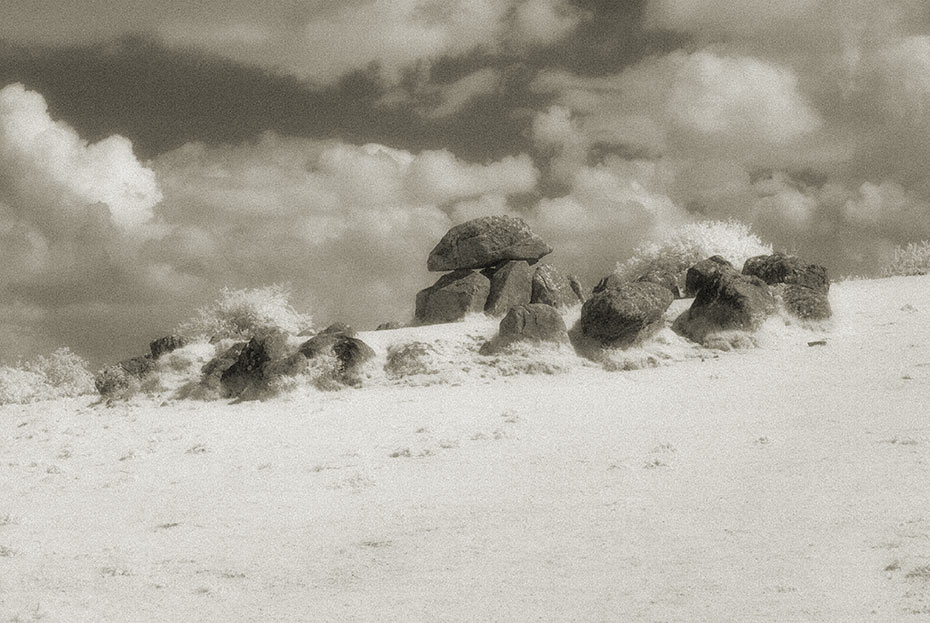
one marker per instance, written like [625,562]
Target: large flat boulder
[624,314]
[484,242]
[511,284]
[452,297]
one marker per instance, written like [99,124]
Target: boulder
[167,344]
[113,381]
[248,370]
[350,352]
[511,284]
[663,278]
[625,314]
[536,322]
[782,268]
[728,300]
[702,272]
[806,302]
[484,242]
[550,287]
[451,297]
[213,370]
[389,326]
[413,358]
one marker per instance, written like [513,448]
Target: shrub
[690,244]
[914,259]
[59,375]
[241,314]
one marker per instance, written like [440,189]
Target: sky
[153,152]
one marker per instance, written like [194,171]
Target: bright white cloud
[544,22]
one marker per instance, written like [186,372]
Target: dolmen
[490,266]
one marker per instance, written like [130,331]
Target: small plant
[241,314]
[914,259]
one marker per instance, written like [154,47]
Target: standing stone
[625,314]
[550,287]
[484,242]
[452,297]
[511,284]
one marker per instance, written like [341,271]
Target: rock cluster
[493,268]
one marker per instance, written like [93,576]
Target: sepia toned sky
[153,152]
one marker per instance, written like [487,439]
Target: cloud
[55,174]
[544,22]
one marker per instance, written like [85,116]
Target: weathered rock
[782,268]
[702,272]
[537,322]
[451,297]
[213,370]
[806,302]
[663,278]
[577,288]
[611,281]
[248,368]
[167,344]
[728,300]
[550,287]
[484,242]
[625,314]
[511,284]
[389,326]
[351,352]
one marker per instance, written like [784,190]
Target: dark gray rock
[551,287]
[248,370]
[625,314]
[452,297]
[702,272]
[511,284]
[340,328]
[138,366]
[728,300]
[484,242]
[167,344]
[806,303]
[536,322]
[389,326]
[577,288]
[782,268]
[349,351]
[611,281]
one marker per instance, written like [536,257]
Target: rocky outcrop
[625,314]
[452,297]
[702,272]
[728,300]
[536,322]
[551,287]
[484,242]
[510,284]
[213,370]
[167,344]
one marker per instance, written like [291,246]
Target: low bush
[914,259]
[62,374]
[690,244]
[241,314]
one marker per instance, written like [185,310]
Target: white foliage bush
[914,259]
[692,243]
[62,374]
[241,314]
